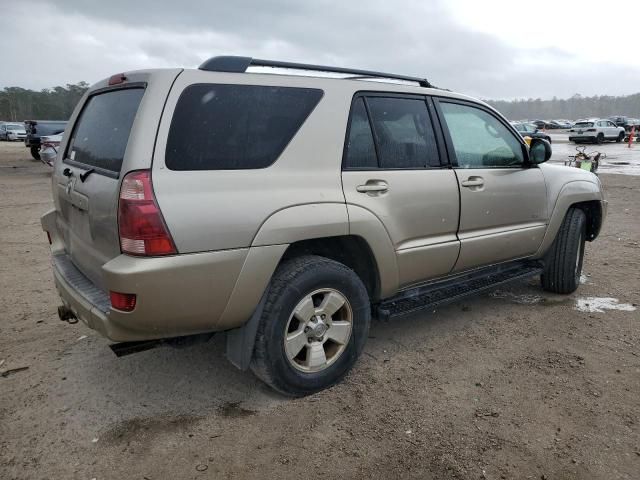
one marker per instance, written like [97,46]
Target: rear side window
[403,131]
[360,149]
[231,127]
[101,133]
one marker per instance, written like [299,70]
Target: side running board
[450,290]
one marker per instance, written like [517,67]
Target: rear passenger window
[404,134]
[230,127]
[360,149]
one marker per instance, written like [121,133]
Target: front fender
[573,192]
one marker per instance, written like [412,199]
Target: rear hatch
[111,133]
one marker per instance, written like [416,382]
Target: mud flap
[240,341]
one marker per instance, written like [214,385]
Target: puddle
[600,304]
[522,298]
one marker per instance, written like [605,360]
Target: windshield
[583,124]
[15,127]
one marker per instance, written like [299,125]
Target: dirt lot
[513,384]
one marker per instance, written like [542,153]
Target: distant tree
[56,103]
[573,108]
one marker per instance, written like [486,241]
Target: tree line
[571,108]
[57,103]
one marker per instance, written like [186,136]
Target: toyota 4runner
[285,206]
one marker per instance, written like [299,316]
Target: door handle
[373,186]
[473,182]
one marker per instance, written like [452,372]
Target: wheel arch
[581,194]
[350,250]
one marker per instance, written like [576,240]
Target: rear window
[230,127]
[584,124]
[48,128]
[101,133]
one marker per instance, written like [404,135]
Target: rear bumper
[175,295]
[179,295]
[582,137]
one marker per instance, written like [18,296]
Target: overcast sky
[486,48]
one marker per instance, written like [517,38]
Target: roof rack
[235,64]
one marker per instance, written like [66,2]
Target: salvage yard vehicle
[12,132]
[49,146]
[530,130]
[285,207]
[595,130]
[39,128]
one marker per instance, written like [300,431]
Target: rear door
[112,132]
[392,167]
[503,201]
[88,209]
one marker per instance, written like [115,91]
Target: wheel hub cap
[318,330]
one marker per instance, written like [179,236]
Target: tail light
[49,144]
[117,79]
[591,129]
[123,301]
[142,229]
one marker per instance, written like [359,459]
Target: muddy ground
[513,384]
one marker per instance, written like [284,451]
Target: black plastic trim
[235,64]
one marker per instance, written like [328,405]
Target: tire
[563,264]
[600,138]
[296,283]
[620,137]
[35,152]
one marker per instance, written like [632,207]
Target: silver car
[12,132]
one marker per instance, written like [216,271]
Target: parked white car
[12,131]
[595,130]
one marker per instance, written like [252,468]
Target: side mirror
[539,151]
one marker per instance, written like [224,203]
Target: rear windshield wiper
[83,176]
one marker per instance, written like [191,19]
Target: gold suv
[285,204]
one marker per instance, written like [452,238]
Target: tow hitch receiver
[66,314]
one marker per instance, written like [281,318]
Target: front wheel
[620,137]
[313,327]
[35,152]
[563,265]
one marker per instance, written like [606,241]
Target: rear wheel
[600,138]
[35,152]
[563,265]
[313,326]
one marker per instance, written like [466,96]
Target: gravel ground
[516,383]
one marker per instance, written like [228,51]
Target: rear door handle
[373,186]
[473,182]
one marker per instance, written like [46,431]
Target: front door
[503,200]
[392,169]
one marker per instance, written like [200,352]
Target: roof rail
[235,64]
